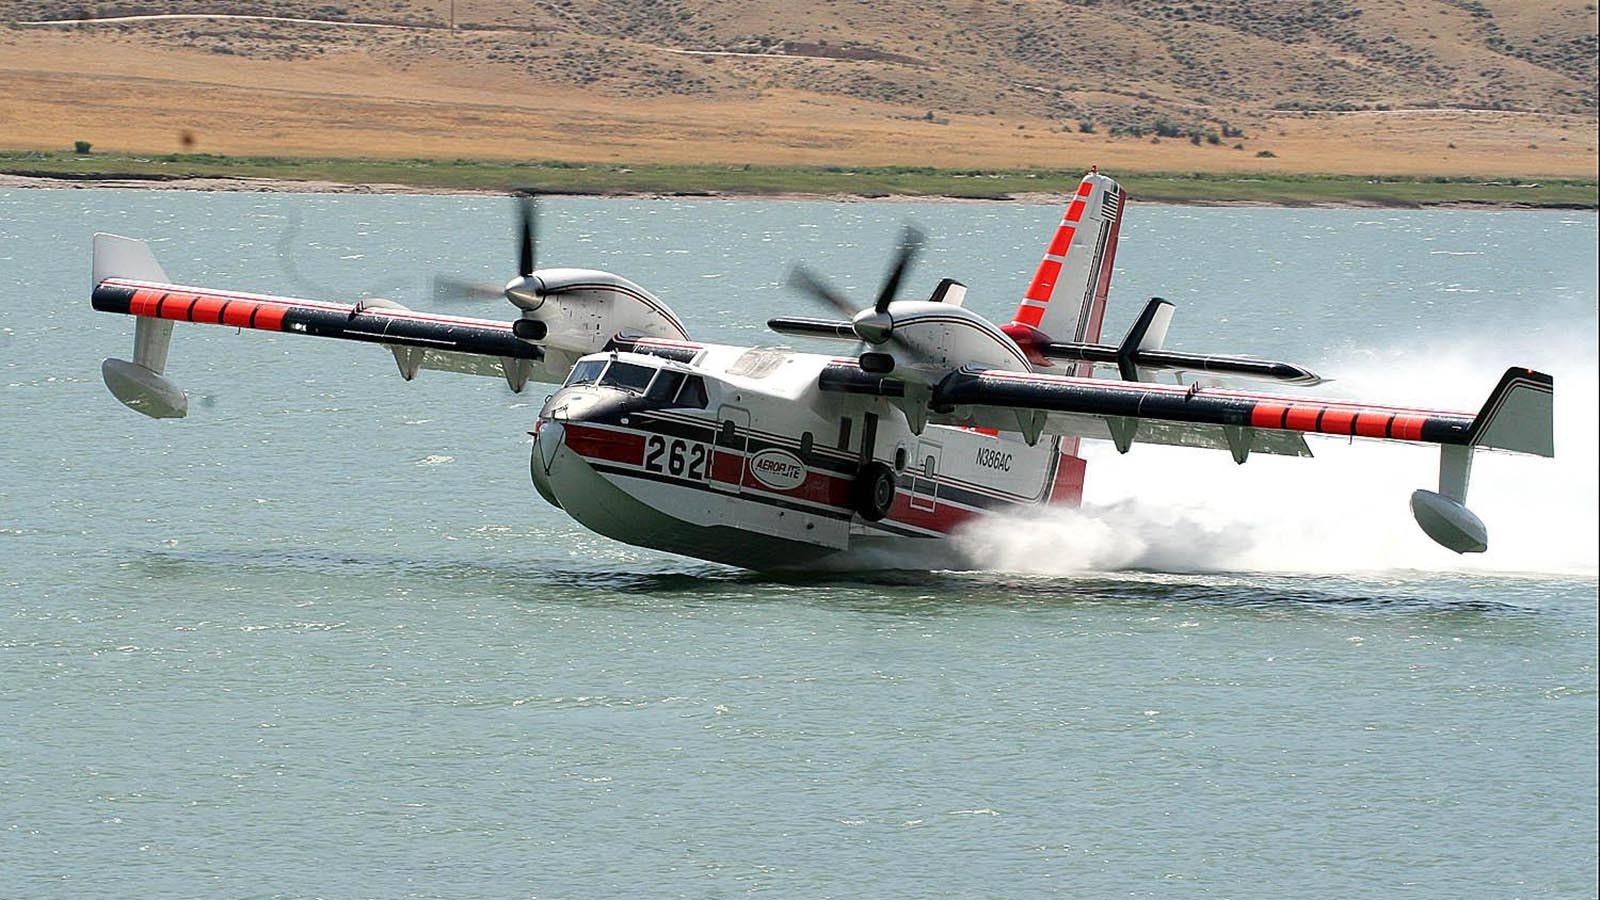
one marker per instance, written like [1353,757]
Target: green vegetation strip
[603,178]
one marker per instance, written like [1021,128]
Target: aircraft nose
[585,403]
[547,441]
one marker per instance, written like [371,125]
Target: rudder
[1066,299]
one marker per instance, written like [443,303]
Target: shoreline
[1376,197]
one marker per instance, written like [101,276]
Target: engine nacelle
[580,310]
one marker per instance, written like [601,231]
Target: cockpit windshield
[628,376]
[586,372]
[665,386]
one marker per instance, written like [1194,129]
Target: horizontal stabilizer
[1170,361]
[1142,352]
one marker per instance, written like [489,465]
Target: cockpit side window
[586,372]
[628,376]
[693,392]
[665,387]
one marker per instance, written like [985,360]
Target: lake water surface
[323,639]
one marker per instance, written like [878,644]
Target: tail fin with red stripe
[1067,297]
[1066,300]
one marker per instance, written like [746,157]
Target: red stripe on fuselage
[1067,487]
[943,518]
[594,443]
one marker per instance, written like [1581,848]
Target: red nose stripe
[144,302]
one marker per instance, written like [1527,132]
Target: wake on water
[1177,510]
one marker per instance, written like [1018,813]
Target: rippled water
[322,638]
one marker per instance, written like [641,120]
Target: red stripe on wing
[1372,424]
[1338,421]
[1268,415]
[1302,418]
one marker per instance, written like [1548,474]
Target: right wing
[128,280]
[418,340]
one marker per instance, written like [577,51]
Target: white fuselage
[760,467]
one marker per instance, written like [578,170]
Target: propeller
[527,231]
[526,291]
[449,289]
[521,290]
[873,324]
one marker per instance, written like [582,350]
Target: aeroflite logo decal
[778,469]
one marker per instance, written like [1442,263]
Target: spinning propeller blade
[528,227]
[801,279]
[911,241]
[877,328]
[449,289]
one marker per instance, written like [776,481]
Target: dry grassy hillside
[1442,86]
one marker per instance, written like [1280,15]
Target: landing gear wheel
[872,495]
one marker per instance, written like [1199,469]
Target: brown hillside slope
[1449,87]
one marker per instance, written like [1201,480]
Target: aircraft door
[728,459]
[924,466]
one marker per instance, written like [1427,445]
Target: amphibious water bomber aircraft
[927,416]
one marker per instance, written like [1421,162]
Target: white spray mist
[1176,510]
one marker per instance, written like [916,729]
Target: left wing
[1518,417]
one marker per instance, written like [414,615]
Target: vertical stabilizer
[1067,297]
[1066,300]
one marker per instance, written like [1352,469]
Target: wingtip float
[770,457]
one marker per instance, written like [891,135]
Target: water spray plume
[1175,510]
